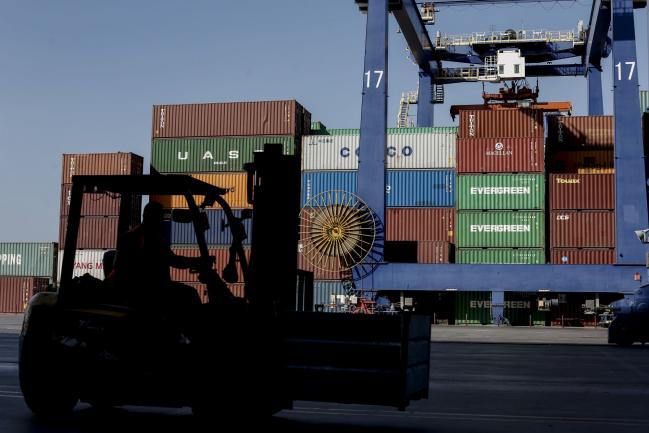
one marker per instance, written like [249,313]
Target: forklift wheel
[47,389]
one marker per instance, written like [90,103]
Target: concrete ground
[518,334]
[10,323]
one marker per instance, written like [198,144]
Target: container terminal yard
[363,265]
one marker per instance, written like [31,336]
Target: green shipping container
[500,256]
[473,308]
[191,155]
[317,127]
[644,100]
[391,131]
[500,229]
[500,191]
[28,259]
[521,309]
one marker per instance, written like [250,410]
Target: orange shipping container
[235,183]
[230,119]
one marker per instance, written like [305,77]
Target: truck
[249,357]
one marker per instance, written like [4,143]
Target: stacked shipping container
[212,142]
[99,212]
[420,188]
[25,269]
[581,192]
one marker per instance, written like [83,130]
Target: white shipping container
[425,150]
[86,262]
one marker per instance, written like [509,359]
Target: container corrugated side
[576,162]
[394,131]
[329,296]
[318,272]
[585,256]
[230,119]
[473,308]
[15,292]
[582,191]
[500,229]
[100,163]
[234,183]
[500,155]
[581,132]
[96,233]
[431,150]
[434,252]
[521,309]
[222,256]
[500,256]
[501,124]
[236,289]
[28,259]
[98,204]
[404,188]
[590,229]
[183,233]
[420,224]
[187,155]
[500,191]
[86,262]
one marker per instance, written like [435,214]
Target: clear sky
[81,76]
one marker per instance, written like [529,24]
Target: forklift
[250,356]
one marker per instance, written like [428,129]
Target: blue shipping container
[404,188]
[329,296]
[183,234]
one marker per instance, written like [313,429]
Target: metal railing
[509,36]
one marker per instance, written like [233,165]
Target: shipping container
[395,131]
[644,100]
[86,262]
[218,234]
[100,163]
[500,191]
[585,229]
[317,127]
[577,161]
[420,224]
[28,259]
[236,289]
[96,233]
[234,183]
[329,296]
[582,191]
[521,309]
[473,308]
[580,132]
[595,171]
[582,256]
[434,252]
[186,155]
[500,229]
[404,188]
[222,256]
[500,256]
[230,119]
[318,273]
[417,150]
[15,292]
[500,155]
[98,204]
[501,124]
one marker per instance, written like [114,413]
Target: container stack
[581,189]
[420,191]
[212,142]
[25,269]
[99,212]
[501,188]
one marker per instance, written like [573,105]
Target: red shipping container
[97,233]
[582,229]
[581,132]
[230,119]
[501,124]
[97,204]
[318,273]
[582,191]
[433,252]
[222,255]
[506,155]
[586,256]
[578,161]
[100,163]
[15,292]
[420,224]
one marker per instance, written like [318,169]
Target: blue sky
[82,75]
